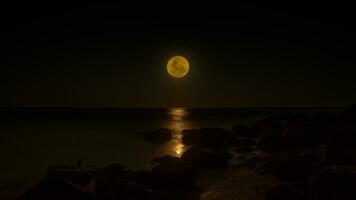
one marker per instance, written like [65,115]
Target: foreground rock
[169,179]
[159,136]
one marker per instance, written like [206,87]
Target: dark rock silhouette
[159,136]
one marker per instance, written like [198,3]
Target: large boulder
[199,157]
[333,183]
[159,136]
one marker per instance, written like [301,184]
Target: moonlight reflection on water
[177,124]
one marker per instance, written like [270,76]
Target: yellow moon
[178,66]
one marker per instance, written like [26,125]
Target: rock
[333,183]
[283,192]
[159,136]
[55,189]
[198,157]
[191,136]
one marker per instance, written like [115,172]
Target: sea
[32,139]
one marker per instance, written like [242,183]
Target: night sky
[114,55]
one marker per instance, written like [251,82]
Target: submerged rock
[159,136]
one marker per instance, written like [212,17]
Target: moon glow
[178,66]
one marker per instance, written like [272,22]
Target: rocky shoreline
[289,156]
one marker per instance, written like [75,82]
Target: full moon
[178,66]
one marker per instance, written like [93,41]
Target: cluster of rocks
[167,180]
[313,154]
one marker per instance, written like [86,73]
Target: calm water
[29,146]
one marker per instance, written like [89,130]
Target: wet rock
[159,136]
[198,157]
[55,189]
[333,183]
[283,192]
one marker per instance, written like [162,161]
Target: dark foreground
[288,156]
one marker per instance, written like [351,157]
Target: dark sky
[241,55]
